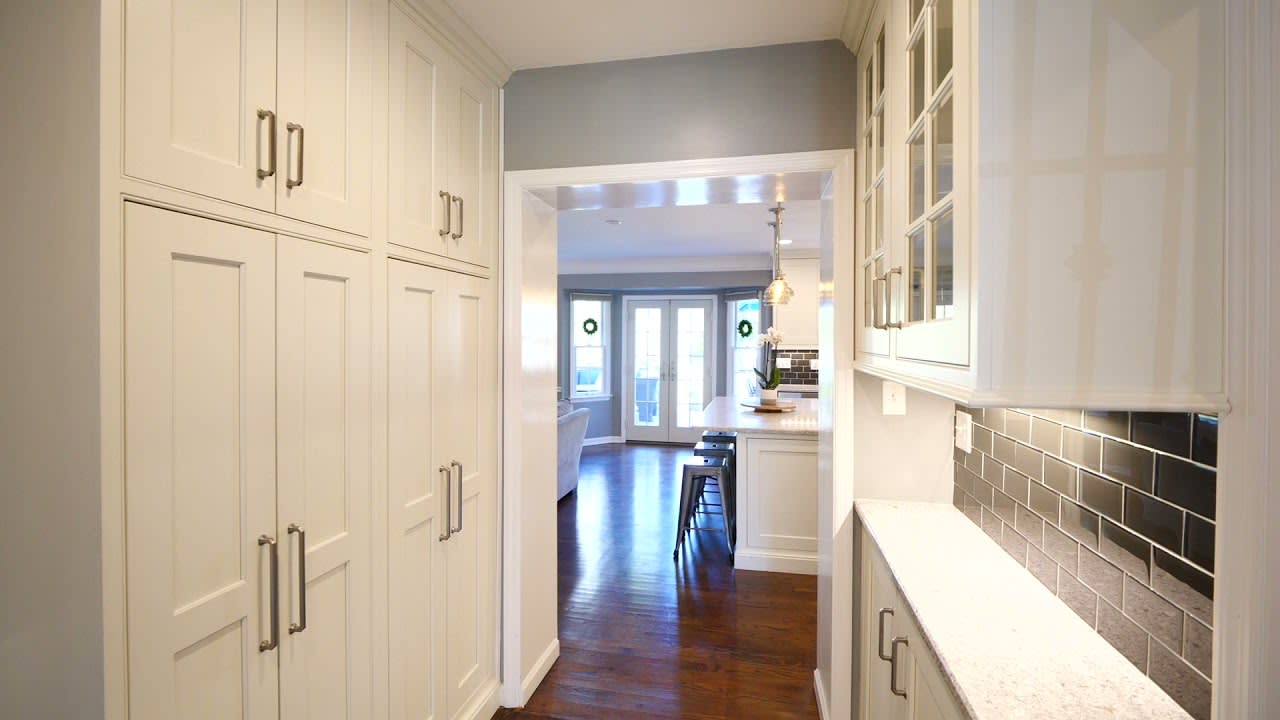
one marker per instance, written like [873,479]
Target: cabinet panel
[324,93]
[879,702]
[782,494]
[418,137]
[798,319]
[418,365]
[196,74]
[473,168]
[200,472]
[323,442]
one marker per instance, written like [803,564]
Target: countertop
[726,413]
[1010,648]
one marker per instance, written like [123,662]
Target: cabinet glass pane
[944,24]
[915,280]
[868,171]
[916,7]
[879,237]
[879,134]
[917,177]
[917,78]
[868,96]
[868,229]
[880,64]
[647,359]
[943,150]
[868,308]
[943,305]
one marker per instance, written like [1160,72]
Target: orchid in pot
[771,377]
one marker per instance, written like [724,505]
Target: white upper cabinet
[199,93]
[324,83]
[798,319]
[257,103]
[443,148]
[1054,222]
[873,175]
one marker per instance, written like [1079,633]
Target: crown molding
[457,32]
[631,266]
[856,13]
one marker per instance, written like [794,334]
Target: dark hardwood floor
[642,636]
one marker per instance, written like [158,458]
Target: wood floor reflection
[642,636]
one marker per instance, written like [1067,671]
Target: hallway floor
[642,636]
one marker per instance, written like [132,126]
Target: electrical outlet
[964,431]
[895,398]
[813,364]
[784,363]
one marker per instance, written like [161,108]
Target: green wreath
[745,329]
[590,326]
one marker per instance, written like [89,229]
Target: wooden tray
[779,407]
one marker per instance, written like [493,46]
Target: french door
[669,367]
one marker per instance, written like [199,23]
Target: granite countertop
[1009,647]
[726,413]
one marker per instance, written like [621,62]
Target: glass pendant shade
[779,292]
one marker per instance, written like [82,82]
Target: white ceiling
[779,187]
[546,33]
[735,234]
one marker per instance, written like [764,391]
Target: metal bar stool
[727,490]
[696,474]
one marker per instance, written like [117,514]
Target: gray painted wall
[606,415]
[50,487]
[728,103]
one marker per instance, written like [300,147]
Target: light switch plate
[895,398]
[964,431]
[813,364]
[784,363]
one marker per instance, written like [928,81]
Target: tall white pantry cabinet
[300,361]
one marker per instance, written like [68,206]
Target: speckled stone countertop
[726,413]
[1009,647]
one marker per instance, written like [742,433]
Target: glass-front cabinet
[873,173]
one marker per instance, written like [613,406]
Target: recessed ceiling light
[784,242]
[612,221]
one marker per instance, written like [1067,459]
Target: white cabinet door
[798,319]
[325,112]
[200,472]
[879,702]
[472,167]
[418,126]
[418,319]
[781,495]
[324,495]
[469,416]
[197,73]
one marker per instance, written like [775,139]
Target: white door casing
[324,485]
[200,472]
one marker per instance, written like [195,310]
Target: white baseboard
[608,440]
[797,563]
[539,671]
[820,693]
[485,703]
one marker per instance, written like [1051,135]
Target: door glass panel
[917,177]
[915,288]
[648,367]
[943,268]
[944,22]
[690,363]
[943,160]
[917,78]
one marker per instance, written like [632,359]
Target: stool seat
[720,436]
[706,448]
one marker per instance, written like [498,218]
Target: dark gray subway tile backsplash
[800,372]
[1114,513]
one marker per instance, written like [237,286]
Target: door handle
[448,213]
[888,296]
[302,138]
[448,504]
[458,465]
[880,641]
[462,218]
[893,667]
[296,529]
[273,639]
[270,117]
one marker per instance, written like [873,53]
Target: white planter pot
[768,397]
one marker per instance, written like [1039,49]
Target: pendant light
[779,291]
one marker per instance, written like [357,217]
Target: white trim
[454,31]
[605,440]
[1246,643]
[796,563]
[515,183]
[820,694]
[603,329]
[539,671]
[484,705]
[590,398]
[666,265]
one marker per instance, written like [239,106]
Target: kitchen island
[777,478]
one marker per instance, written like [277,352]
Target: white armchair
[571,429]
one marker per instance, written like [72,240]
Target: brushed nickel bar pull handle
[458,465]
[302,138]
[893,667]
[877,299]
[888,296]
[274,555]
[302,579]
[448,213]
[448,504]
[880,642]
[270,117]
[462,218]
